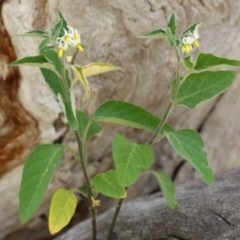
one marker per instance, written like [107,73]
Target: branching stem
[153,137]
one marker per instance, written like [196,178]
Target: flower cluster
[71,38]
[189,40]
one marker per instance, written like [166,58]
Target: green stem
[88,185]
[169,108]
[118,207]
[82,161]
[153,137]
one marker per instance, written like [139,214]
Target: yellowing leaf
[98,68]
[79,75]
[62,208]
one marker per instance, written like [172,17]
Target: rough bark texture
[210,213]
[30,115]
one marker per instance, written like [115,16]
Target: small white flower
[188,39]
[195,34]
[70,38]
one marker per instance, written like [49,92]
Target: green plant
[201,83]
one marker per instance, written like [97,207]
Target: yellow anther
[196,42]
[60,52]
[80,48]
[67,38]
[76,36]
[187,48]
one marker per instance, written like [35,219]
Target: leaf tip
[53,230]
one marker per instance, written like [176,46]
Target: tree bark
[205,212]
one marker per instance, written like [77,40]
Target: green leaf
[52,56]
[68,110]
[201,87]
[98,68]
[188,63]
[172,24]
[44,43]
[62,208]
[51,78]
[57,28]
[167,187]
[208,60]
[189,145]
[34,33]
[130,159]
[107,184]
[127,114]
[36,61]
[155,34]
[83,120]
[64,23]
[193,27]
[53,81]
[37,174]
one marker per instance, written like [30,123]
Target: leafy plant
[202,82]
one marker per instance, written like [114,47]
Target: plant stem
[153,137]
[118,207]
[170,106]
[89,193]
[81,148]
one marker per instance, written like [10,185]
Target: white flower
[70,38]
[188,39]
[195,34]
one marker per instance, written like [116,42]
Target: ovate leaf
[201,87]
[70,114]
[167,187]
[34,33]
[83,120]
[127,114]
[208,60]
[37,174]
[62,208]
[130,159]
[98,68]
[155,34]
[107,184]
[189,145]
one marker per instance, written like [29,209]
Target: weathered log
[205,212]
